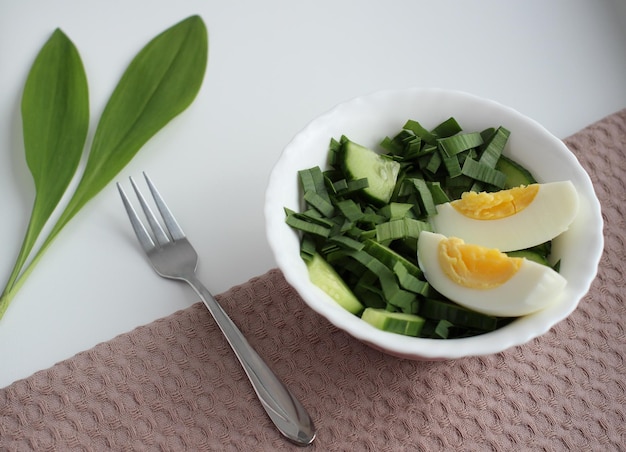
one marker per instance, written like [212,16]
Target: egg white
[532,288]
[549,214]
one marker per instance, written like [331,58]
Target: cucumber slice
[359,162]
[394,322]
[324,276]
[515,173]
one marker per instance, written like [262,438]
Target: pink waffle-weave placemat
[175,385]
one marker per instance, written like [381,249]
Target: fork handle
[289,416]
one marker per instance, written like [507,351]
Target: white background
[273,66]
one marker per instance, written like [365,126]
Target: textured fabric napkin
[175,385]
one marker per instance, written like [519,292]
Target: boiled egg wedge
[513,219]
[485,279]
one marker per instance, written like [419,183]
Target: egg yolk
[500,204]
[475,266]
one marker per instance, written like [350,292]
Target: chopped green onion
[447,128]
[452,165]
[495,146]
[409,281]
[390,257]
[458,315]
[346,242]
[312,180]
[426,197]
[391,146]
[458,143]
[438,194]
[307,248]
[322,204]
[350,209]
[339,186]
[483,173]
[306,226]
[390,288]
[434,163]
[442,329]
[420,131]
[333,150]
[400,229]
[356,185]
[413,148]
[396,210]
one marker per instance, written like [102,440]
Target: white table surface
[273,66]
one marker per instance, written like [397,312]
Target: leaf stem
[18,277]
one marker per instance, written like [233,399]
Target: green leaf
[159,83]
[55,121]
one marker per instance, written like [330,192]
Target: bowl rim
[525,328]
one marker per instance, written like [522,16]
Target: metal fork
[172,256]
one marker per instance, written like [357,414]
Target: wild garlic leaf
[55,120]
[159,83]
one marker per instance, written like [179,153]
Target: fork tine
[168,218]
[140,231]
[159,233]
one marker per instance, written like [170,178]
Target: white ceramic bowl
[367,120]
